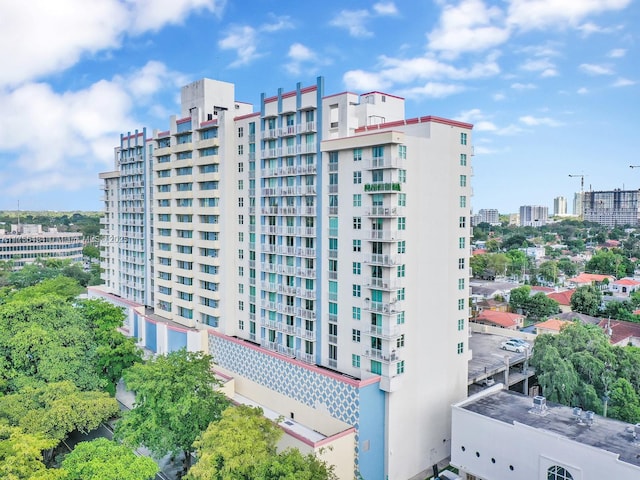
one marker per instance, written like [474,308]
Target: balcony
[288,130]
[389,212]
[310,294]
[306,357]
[306,127]
[380,259]
[306,272]
[387,331]
[304,333]
[288,289]
[385,235]
[268,248]
[383,355]
[383,283]
[286,250]
[387,308]
[383,187]
[286,309]
[270,153]
[383,162]
[306,169]
[306,252]
[306,314]
[269,133]
[266,304]
[286,328]
[288,351]
[269,287]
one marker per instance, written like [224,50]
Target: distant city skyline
[548,87]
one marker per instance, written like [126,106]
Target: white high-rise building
[292,244]
[559,206]
[612,208]
[126,233]
[577,204]
[533,215]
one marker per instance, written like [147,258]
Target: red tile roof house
[510,321]
[621,333]
[553,326]
[624,287]
[563,299]
[594,279]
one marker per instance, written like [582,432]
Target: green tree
[176,399]
[557,377]
[242,445]
[548,271]
[103,459]
[61,286]
[610,262]
[567,266]
[619,311]
[57,409]
[519,298]
[587,300]
[21,456]
[540,306]
[91,251]
[624,404]
[493,245]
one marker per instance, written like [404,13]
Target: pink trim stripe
[292,93]
[209,122]
[183,120]
[248,115]
[166,133]
[412,121]
[382,93]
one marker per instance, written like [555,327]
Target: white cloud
[302,57]
[582,91]
[353,21]
[432,90]
[623,82]
[592,69]
[360,80]
[617,53]
[535,121]
[63,31]
[242,39]
[470,26]
[523,86]
[479,120]
[541,14]
[509,130]
[43,131]
[279,23]
[385,8]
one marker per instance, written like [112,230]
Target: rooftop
[511,407]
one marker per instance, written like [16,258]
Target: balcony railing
[381,355]
[385,235]
[383,283]
[384,211]
[383,162]
[382,307]
[380,259]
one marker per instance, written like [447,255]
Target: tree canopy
[176,399]
[21,455]
[587,300]
[103,459]
[242,445]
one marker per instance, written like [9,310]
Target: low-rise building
[534,439]
[27,243]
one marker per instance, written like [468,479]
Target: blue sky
[550,85]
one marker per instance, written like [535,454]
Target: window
[209,202]
[184,202]
[461,284]
[241,254]
[558,473]
[356,313]
[461,263]
[184,233]
[241,271]
[184,249]
[164,261]
[184,171]
[400,271]
[461,304]
[355,335]
[240,149]
[333,352]
[463,201]
[209,133]
[163,232]
[164,246]
[357,154]
[463,139]
[184,187]
[400,318]
[460,347]
[164,173]
[240,305]
[240,132]
[402,246]
[164,188]
[463,180]
[462,222]
[164,158]
[185,296]
[211,286]
[402,176]
[462,242]
[357,177]
[356,290]
[402,151]
[376,367]
[164,290]
[183,156]
[185,312]
[400,341]
[164,202]
[357,223]
[209,319]
[357,268]
[164,217]
[240,219]
[400,367]
[357,245]
[355,360]
[463,159]
[401,294]
[209,235]
[185,265]
[185,280]
[240,185]
[209,168]
[402,223]
[460,324]
[210,219]
[207,152]
[208,185]
[182,218]
[211,269]
[240,324]
[402,199]
[357,200]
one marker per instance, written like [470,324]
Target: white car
[512,346]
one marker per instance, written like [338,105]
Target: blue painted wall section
[151,341]
[371,429]
[176,340]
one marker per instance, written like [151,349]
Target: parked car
[520,341]
[512,346]
[488,382]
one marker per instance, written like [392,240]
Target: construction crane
[581,193]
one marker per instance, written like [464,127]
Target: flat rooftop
[605,433]
[488,358]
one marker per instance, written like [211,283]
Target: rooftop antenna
[581,192]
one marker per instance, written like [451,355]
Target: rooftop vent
[539,405]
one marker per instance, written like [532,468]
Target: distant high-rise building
[26,243]
[533,215]
[612,208]
[489,215]
[577,204]
[559,206]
